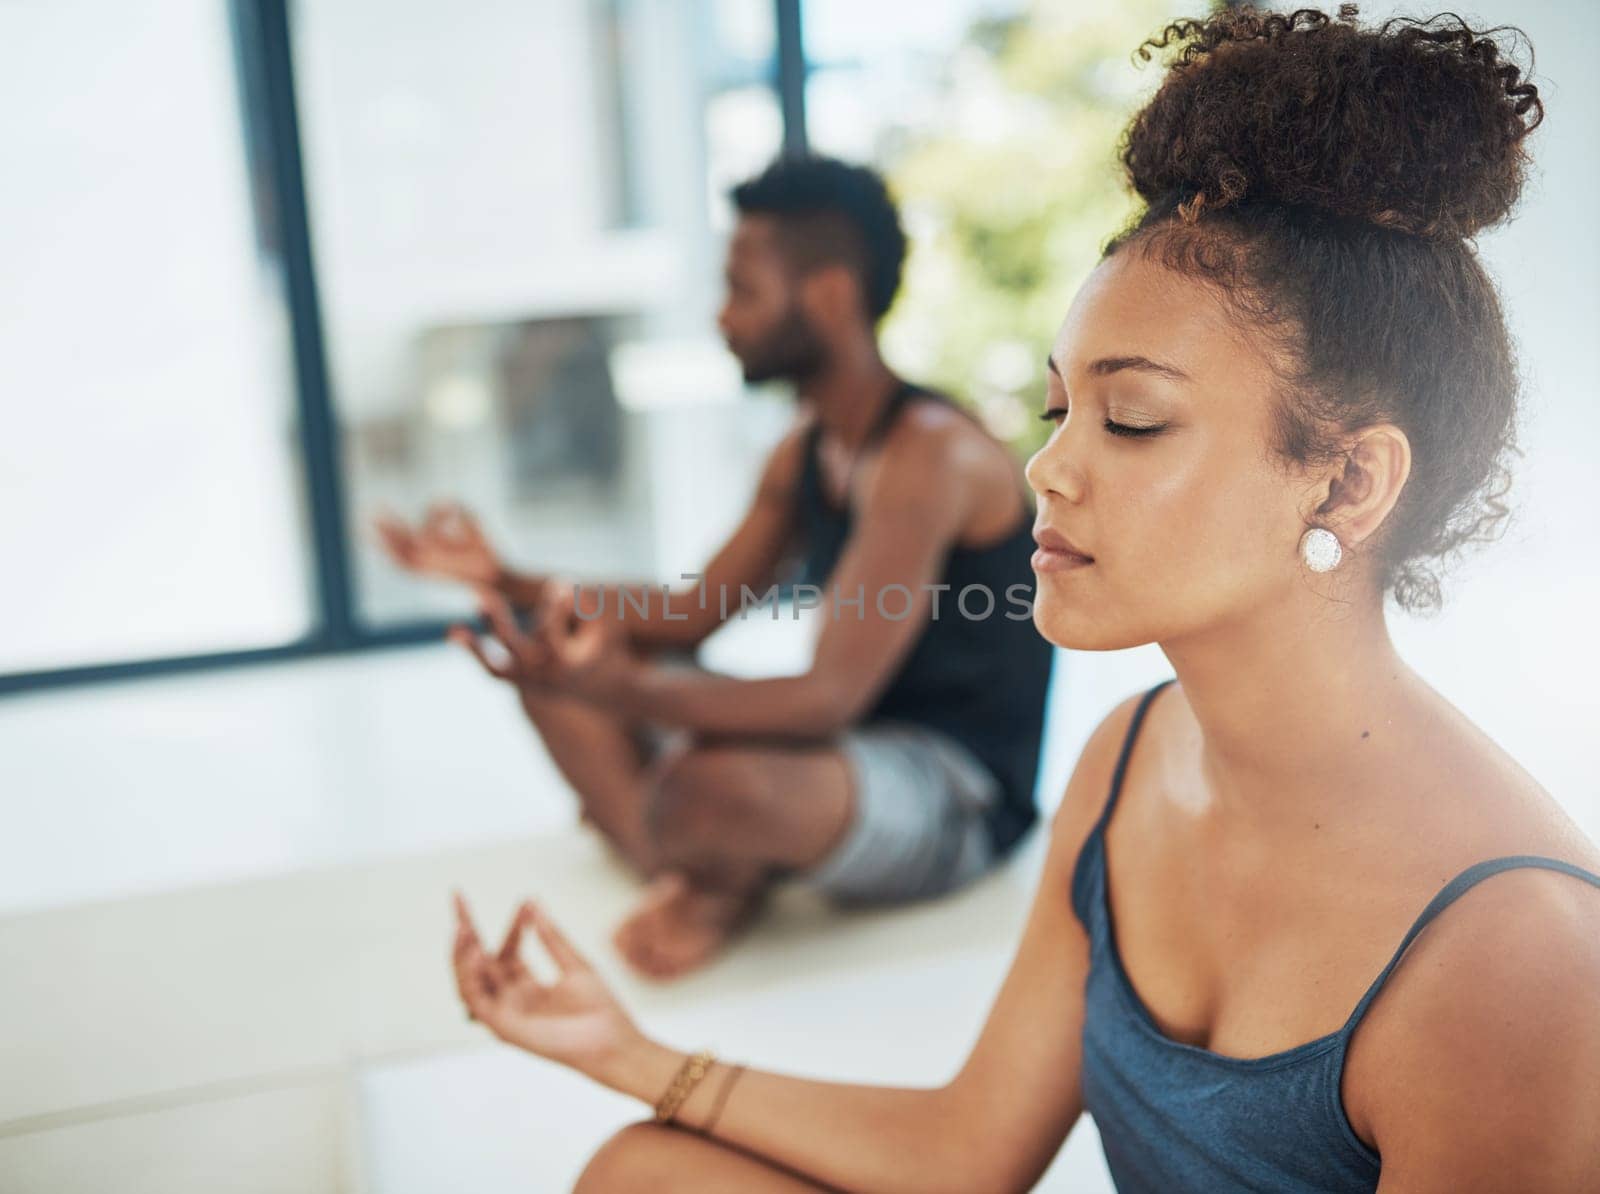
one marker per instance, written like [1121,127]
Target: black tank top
[978,678]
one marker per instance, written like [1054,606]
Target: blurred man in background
[901,764]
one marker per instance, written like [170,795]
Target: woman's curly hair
[1327,178]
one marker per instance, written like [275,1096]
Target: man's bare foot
[678,927]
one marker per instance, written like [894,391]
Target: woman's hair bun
[1413,125]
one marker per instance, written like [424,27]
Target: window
[150,462]
[495,279]
[511,203]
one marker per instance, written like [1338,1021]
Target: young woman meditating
[1302,926]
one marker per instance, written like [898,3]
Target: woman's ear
[1358,491]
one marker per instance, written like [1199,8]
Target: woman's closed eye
[1056,414]
[1129,429]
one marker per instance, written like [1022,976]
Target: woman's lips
[1049,559]
[1056,552]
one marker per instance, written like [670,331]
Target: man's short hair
[832,213]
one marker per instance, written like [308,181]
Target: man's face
[761,319]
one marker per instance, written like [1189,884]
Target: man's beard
[791,351]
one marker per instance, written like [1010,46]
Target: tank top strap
[1127,751]
[811,486]
[1088,882]
[902,393]
[810,467]
[1449,894]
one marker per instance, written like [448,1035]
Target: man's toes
[648,960]
[635,942]
[634,954]
[664,890]
[627,937]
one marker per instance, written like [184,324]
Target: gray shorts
[918,826]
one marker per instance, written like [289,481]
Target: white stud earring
[1320,550]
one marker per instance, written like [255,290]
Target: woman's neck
[1299,716]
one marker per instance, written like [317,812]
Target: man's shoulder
[938,432]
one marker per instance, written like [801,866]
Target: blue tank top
[981,680]
[1176,1117]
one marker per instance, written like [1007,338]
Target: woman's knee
[641,1157]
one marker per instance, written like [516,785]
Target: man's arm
[920,495]
[1490,1044]
[449,544]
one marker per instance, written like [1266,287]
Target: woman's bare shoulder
[1495,998]
[1481,802]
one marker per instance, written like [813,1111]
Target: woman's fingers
[467,951]
[477,989]
[510,956]
[474,981]
[466,931]
[562,952]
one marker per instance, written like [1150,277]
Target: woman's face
[1160,468]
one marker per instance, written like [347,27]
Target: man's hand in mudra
[563,653]
[447,543]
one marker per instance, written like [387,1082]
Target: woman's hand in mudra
[573,1019]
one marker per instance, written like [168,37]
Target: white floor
[223,918]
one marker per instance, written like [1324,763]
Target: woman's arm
[994,1127]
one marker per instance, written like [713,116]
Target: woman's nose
[1053,469]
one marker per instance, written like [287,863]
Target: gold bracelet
[694,1068]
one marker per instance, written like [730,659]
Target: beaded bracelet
[694,1068]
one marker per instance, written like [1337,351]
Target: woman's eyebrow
[1106,366]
